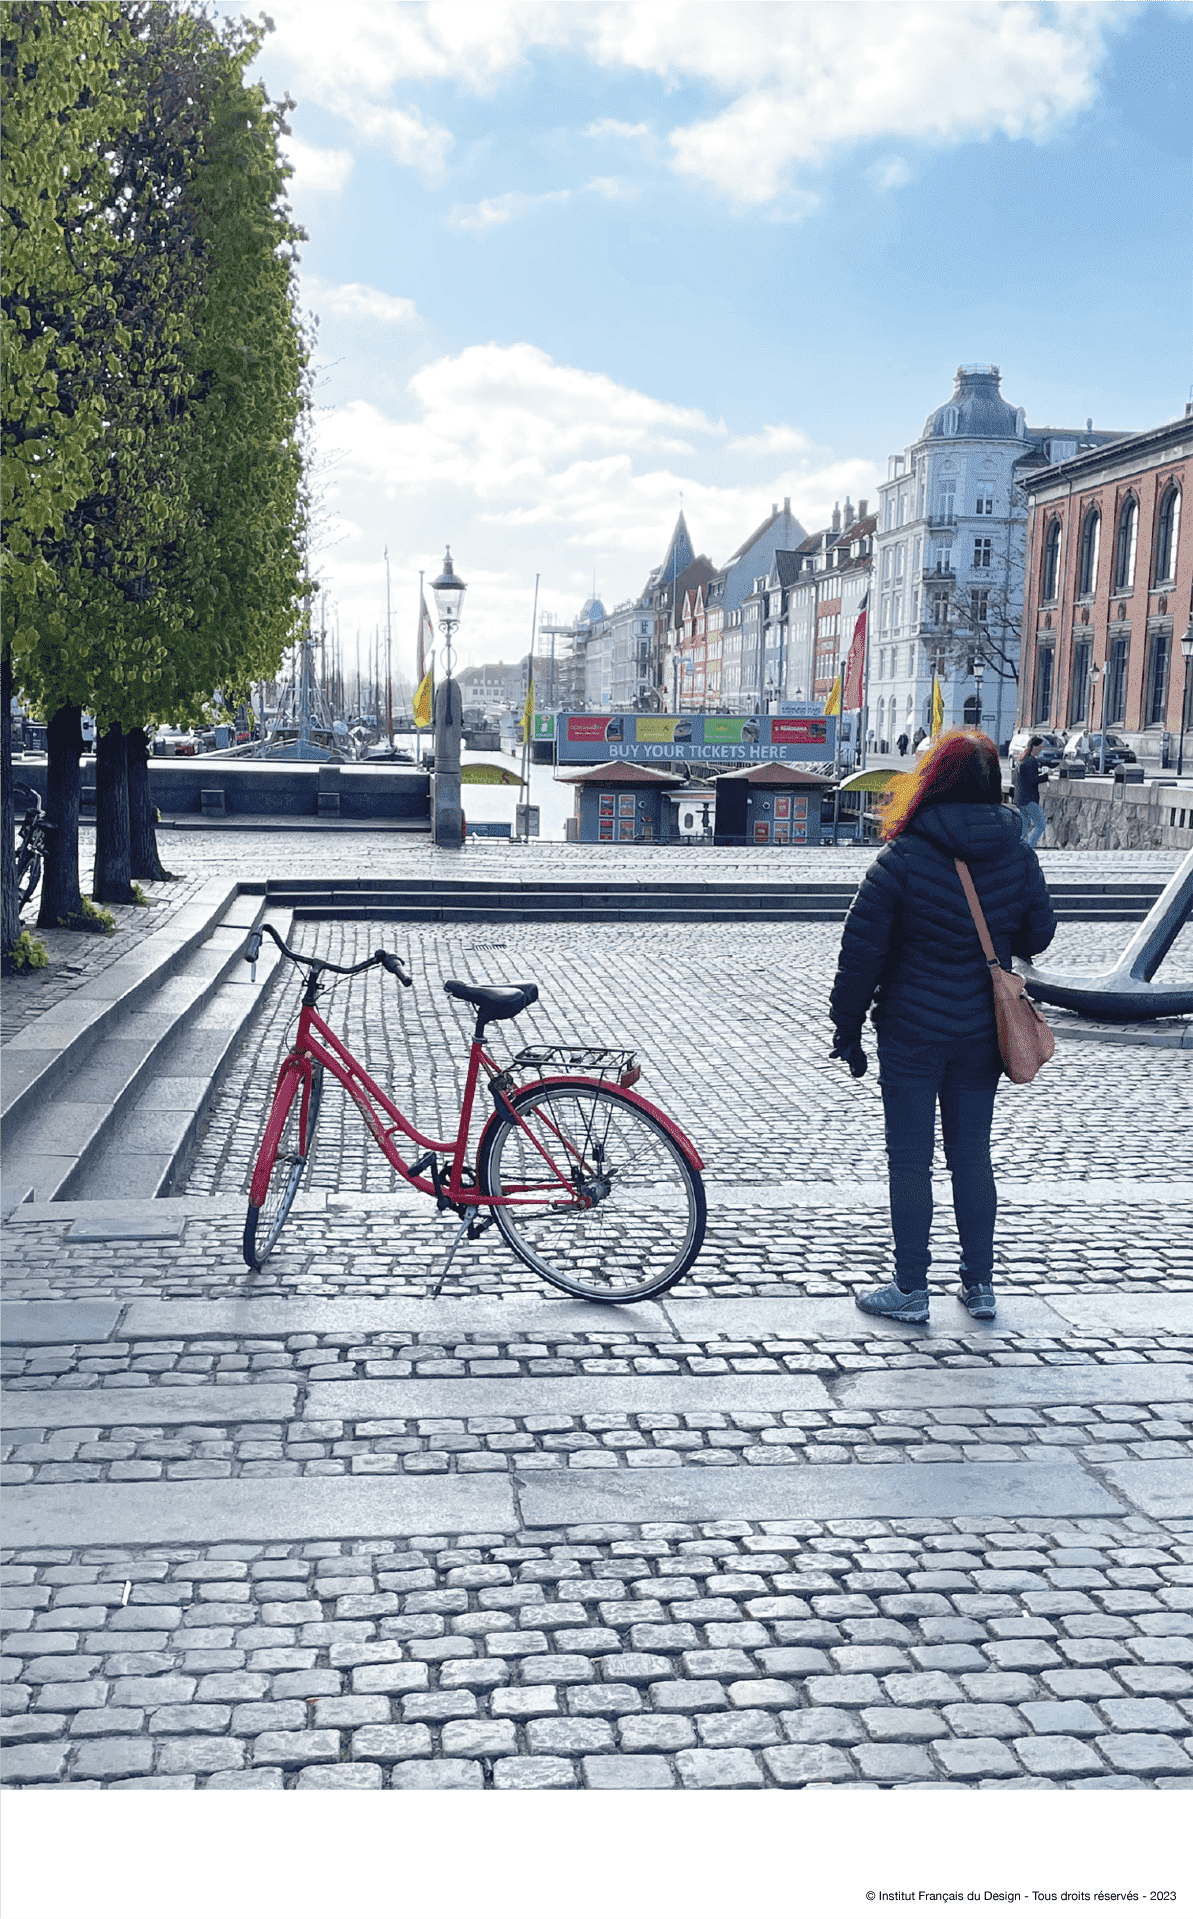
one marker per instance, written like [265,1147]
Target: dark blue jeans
[964,1078]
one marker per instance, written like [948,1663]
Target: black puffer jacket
[909,941]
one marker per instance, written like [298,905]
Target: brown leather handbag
[1025,1039]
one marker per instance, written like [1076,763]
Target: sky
[576,263]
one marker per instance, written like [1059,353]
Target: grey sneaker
[889,1303]
[978,1300]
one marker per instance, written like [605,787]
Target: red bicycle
[590,1185]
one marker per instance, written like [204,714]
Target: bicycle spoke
[630,1219]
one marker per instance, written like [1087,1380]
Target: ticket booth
[771,805]
[622,804]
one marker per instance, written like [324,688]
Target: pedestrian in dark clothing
[918,736]
[911,946]
[1028,775]
[901,743]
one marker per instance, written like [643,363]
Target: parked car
[1050,752]
[1086,749]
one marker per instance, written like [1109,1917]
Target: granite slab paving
[1057,1488]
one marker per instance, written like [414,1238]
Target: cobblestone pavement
[905,1653]
[313,1529]
[789,1114]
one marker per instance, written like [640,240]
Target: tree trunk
[113,877]
[10,918]
[145,863]
[61,900]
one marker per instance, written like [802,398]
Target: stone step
[568,901]
[45,1054]
[124,1114]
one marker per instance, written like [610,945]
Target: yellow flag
[833,702]
[528,711]
[937,707]
[423,699]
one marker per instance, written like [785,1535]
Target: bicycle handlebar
[389,961]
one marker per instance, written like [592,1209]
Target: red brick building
[1110,585]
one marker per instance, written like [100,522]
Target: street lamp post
[447,813]
[1187,650]
[1095,674]
[978,670]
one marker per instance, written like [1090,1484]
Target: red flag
[851,695]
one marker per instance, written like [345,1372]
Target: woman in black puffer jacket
[911,946]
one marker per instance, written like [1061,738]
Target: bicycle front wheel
[606,1204]
[295,1145]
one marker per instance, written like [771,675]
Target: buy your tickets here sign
[589,738]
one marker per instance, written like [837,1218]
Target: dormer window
[949,420]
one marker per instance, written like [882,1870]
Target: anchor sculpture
[1127,991]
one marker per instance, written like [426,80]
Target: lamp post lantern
[447,813]
[1187,650]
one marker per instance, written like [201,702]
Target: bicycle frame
[317,1045]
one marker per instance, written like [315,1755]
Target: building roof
[981,412]
[775,513]
[1130,450]
[776,773]
[623,771]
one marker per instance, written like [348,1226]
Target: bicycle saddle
[493,1002]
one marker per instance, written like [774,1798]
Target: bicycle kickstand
[465,1223]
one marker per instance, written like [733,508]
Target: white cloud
[499,211]
[528,466]
[316,169]
[890,175]
[610,188]
[357,302]
[617,130]
[806,81]
[771,443]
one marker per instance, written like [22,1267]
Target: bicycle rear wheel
[610,1206]
[295,1145]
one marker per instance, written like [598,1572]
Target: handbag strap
[979,919]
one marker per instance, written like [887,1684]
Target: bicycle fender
[291,1077]
[656,1113]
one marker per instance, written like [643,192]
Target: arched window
[1052,561]
[1124,555]
[1087,574]
[1168,535]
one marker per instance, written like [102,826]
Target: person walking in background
[1028,775]
[901,743]
[910,945]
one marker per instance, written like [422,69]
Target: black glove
[848,1046]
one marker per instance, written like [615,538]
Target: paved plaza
[315,1528]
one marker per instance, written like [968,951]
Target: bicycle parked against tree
[33,833]
[592,1186]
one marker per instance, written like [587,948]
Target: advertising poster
[716,738]
[544,726]
[608,806]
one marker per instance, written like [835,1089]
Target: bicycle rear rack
[602,1062]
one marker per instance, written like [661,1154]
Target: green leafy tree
[61,102]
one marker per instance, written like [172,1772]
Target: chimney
[836,516]
[848,511]
[787,503]
[1089,426]
[861,509]
[773,509]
